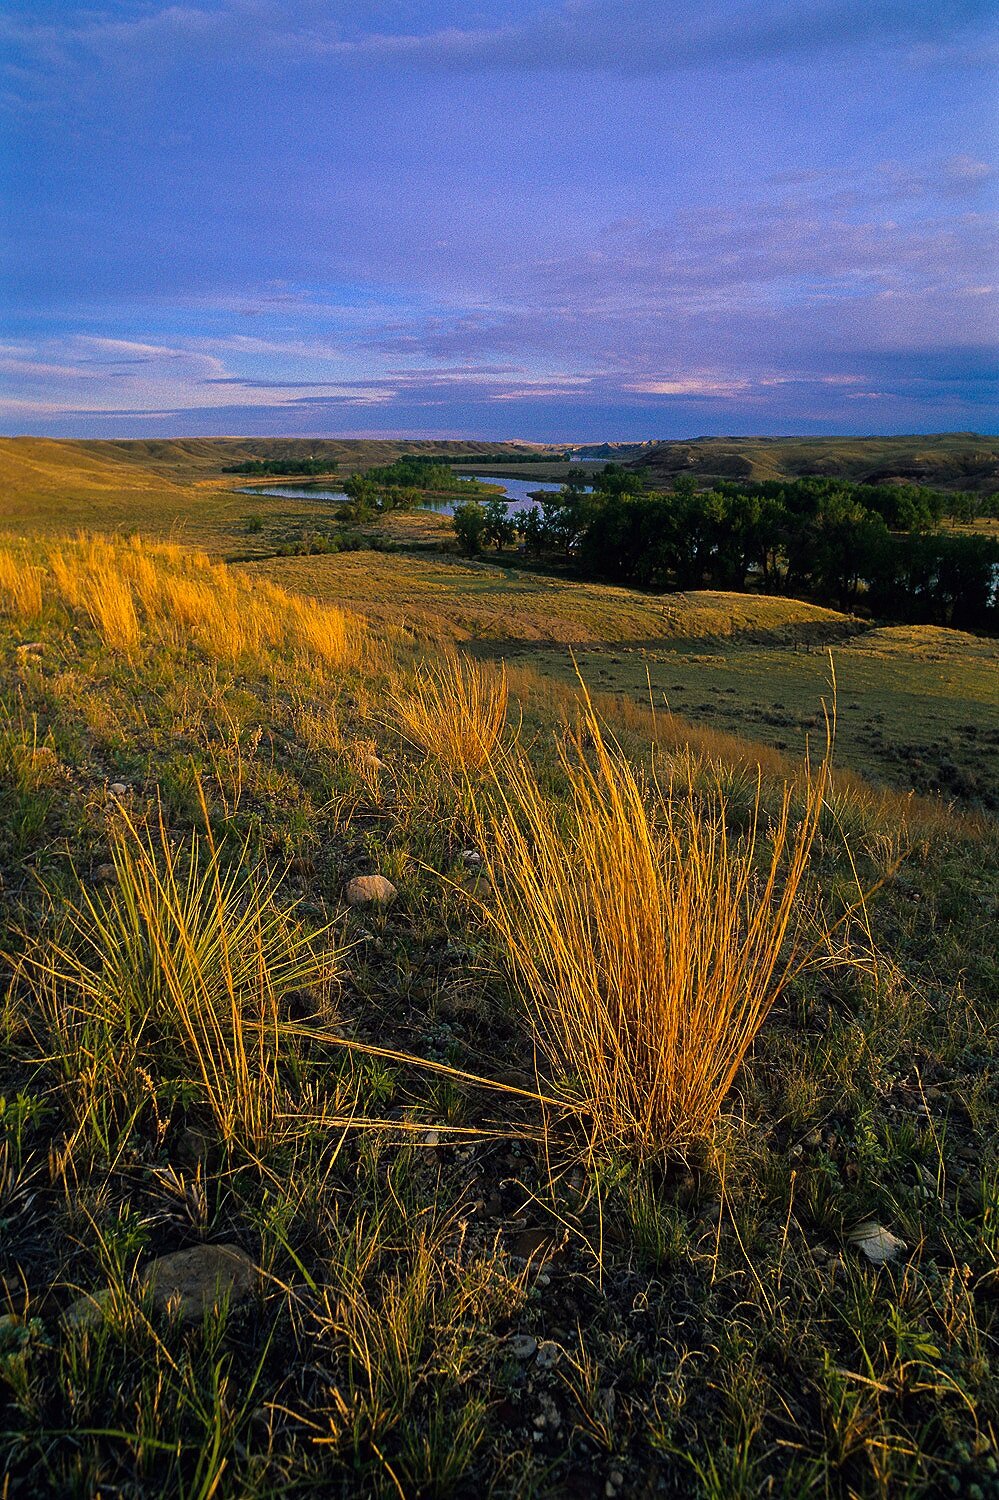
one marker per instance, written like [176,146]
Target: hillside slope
[952,460]
[302,1191]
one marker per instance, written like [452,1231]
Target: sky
[556,220]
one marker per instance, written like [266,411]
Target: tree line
[263,467]
[879,548]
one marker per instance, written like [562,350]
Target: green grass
[448,1302]
[918,707]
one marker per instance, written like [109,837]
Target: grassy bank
[477,1257]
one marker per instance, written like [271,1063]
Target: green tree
[363,495]
[469,523]
[497,527]
[534,531]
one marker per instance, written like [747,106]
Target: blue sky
[576,220]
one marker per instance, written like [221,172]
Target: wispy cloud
[285,211]
[601,36]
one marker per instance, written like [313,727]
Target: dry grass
[20,587]
[442,598]
[135,592]
[179,971]
[456,711]
[110,603]
[648,944]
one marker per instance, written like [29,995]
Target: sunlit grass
[20,586]
[177,973]
[176,1072]
[648,943]
[138,592]
[455,710]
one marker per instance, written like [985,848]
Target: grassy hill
[184,459]
[425,1213]
[173,487]
[919,706]
[418,1077]
[447,597]
[954,460]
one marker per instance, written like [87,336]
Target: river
[516,491]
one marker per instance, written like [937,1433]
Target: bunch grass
[456,711]
[178,973]
[647,942]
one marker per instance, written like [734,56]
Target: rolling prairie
[420,1074]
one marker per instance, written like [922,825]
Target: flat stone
[196,1280]
[877,1243]
[522,1346]
[531,1244]
[118,789]
[370,890]
[187,1284]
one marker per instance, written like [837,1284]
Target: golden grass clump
[109,601]
[455,710]
[20,587]
[648,943]
[177,973]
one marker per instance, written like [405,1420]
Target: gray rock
[876,1242]
[370,890]
[187,1283]
[522,1346]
